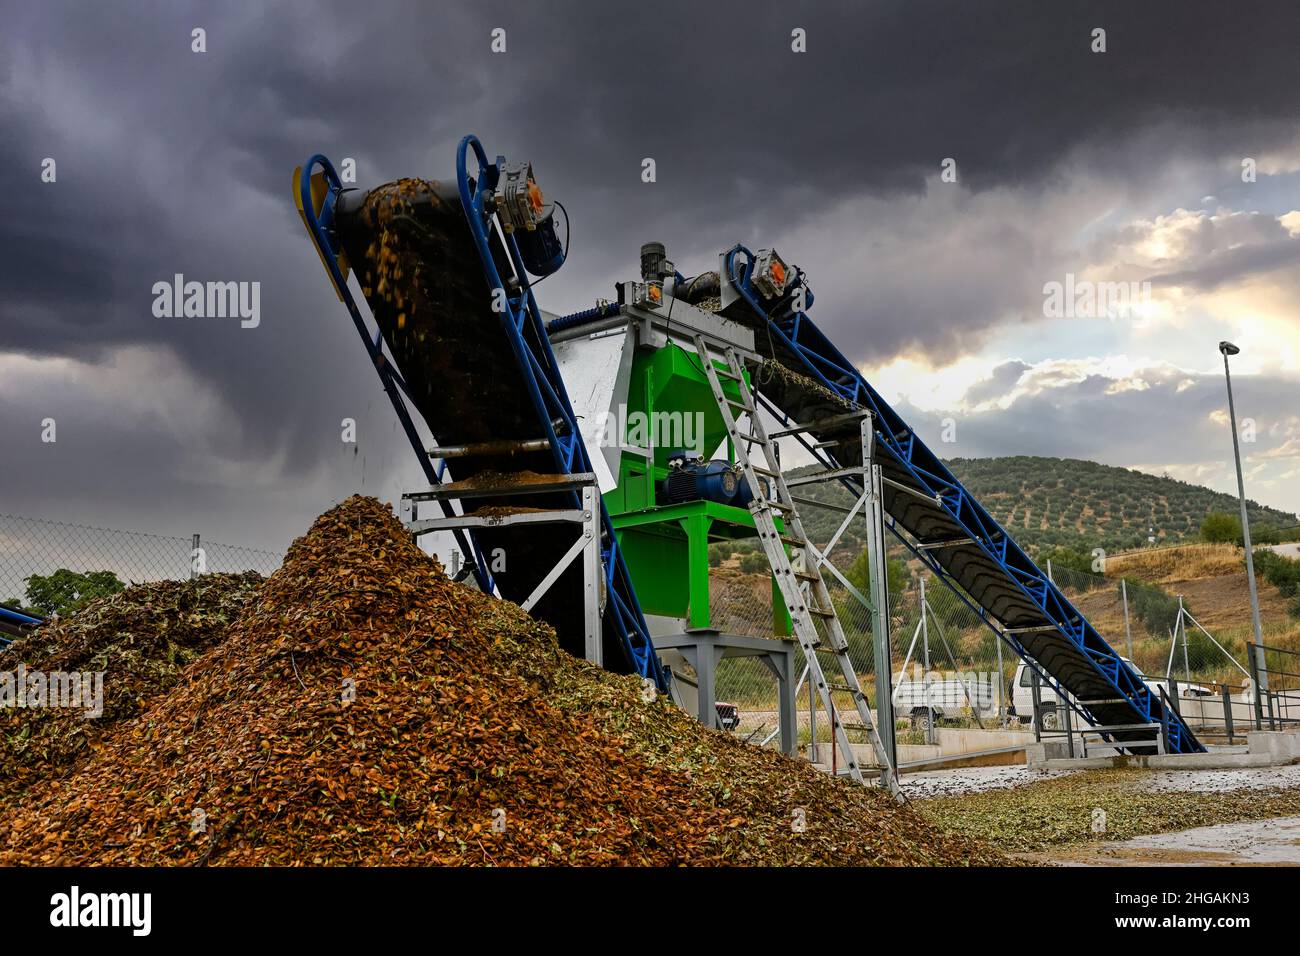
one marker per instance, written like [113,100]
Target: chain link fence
[952,679]
[37,547]
[1207,671]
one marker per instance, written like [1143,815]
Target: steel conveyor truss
[945,526]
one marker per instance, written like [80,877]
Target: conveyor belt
[924,498]
[478,377]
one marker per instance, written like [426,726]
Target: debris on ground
[365,709]
[1112,804]
[140,640]
[1274,842]
[959,781]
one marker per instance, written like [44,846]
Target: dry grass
[1172,565]
[1212,580]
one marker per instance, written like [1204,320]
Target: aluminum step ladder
[804,592]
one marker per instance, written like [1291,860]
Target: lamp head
[1227,348]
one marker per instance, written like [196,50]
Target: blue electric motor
[691,478]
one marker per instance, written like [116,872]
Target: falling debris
[140,640]
[365,709]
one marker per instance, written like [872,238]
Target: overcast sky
[1124,165]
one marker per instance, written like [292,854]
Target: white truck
[946,698]
[1049,712]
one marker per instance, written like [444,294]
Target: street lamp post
[1227,348]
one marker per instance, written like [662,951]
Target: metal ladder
[809,605]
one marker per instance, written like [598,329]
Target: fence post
[812,722]
[931,736]
[1227,711]
[1254,685]
[1128,630]
[194,553]
[1002,714]
[1037,700]
[1069,725]
[1182,624]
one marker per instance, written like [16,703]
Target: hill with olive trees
[1081,505]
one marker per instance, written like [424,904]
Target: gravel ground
[1022,812]
[970,780]
[966,780]
[1217,781]
[1251,843]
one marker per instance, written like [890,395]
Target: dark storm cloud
[171,161]
[1234,265]
[1174,418]
[1001,381]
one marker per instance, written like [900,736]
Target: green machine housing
[641,393]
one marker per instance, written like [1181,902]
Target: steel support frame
[878,569]
[796,595]
[930,563]
[870,502]
[705,650]
[895,439]
[587,546]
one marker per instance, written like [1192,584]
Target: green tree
[1283,573]
[1066,558]
[66,591]
[1221,528]
[1154,607]
[859,573]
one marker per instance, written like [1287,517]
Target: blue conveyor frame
[797,335]
[536,367]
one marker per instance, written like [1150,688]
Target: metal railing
[1276,672]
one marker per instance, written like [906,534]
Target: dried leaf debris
[365,709]
[140,639]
